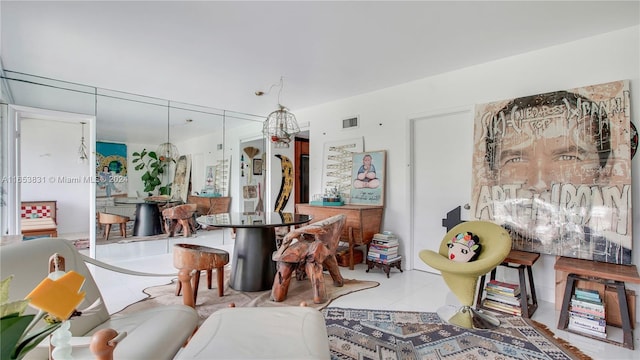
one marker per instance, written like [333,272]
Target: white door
[441,152]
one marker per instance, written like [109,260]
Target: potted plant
[154,167]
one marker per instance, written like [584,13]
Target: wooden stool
[605,273]
[524,261]
[181,214]
[109,219]
[188,257]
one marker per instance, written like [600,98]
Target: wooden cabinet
[363,221]
[206,205]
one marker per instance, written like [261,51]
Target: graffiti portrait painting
[555,170]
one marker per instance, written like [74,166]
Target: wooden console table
[207,205]
[605,273]
[363,221]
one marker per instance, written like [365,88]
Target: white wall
[384,116]
[49,151]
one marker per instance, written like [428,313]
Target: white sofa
[157,333]
[260,333]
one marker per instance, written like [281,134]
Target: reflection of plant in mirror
[153,167]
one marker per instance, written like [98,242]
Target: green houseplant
[154,168]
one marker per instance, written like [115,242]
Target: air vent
[350,123]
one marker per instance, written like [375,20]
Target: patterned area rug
[378,334]
[208,300]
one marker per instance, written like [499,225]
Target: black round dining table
[252,268]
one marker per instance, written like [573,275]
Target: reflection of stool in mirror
[181,215]
[110,219]
[196,257]
[147,221]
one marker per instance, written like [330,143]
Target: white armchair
[156,333]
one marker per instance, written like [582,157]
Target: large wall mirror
[126,126]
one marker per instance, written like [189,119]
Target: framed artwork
[249,192]
[554,169]
[336,164]
[222,171]
[257,166]
[111,169]
[182,178]
[368,174]
[209,180]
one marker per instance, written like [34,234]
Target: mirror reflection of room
[126,162]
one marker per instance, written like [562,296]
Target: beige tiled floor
[410,290]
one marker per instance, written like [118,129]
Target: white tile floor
[408,291]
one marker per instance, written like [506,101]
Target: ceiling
[218,54]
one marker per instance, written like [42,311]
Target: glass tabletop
[128,200]
[257,219]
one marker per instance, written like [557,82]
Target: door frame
[15,115]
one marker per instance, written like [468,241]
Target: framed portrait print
[111,169]
[368,178]
[336,164]
[257,166]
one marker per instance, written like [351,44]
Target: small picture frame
[368,178]
[257,166]
[210,177]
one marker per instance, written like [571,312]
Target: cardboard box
[612,306]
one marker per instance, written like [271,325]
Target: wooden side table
[523,261]
[605,273]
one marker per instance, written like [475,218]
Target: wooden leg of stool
[123,230]
[196,284]
[178,288]
[220,273]
[314,272]
[107,230]
[209,280]
[185,278]
[185,227]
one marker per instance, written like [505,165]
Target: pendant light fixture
[82,149]
[167,151]
[281,125]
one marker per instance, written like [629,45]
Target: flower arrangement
[56,299]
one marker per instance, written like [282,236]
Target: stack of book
[384,248]
[586,313]
[503,297]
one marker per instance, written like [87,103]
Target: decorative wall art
[209,180]
[634,140]
[221,177]
[257,167]
[337,164]
[286,184]
[555,170]
[111,169]
[368,178]
[181,179]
